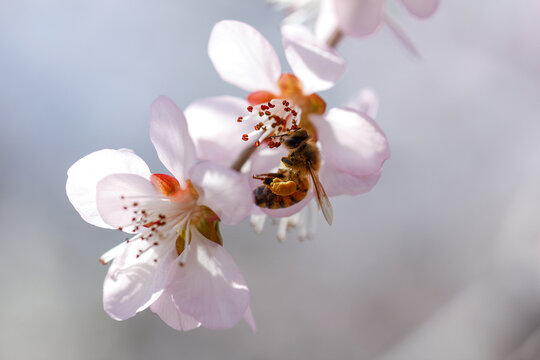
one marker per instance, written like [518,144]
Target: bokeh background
[440,261]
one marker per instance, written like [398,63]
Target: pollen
[272,119]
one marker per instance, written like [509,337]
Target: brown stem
[335,38]
[244,156]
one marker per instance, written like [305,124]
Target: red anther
[284,102]
[156,243]
[280,129]
[120,228]
[261,113]
[264,107]
[135,203]
[239,119]
[287,109]
[245,137]
[257,143]
[155,260]
[274,125]
[271,105]
[250,108]
[138,255]
[294,127]
[294,113]
[267,113]
[125,207]
[133,219]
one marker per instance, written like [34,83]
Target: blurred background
[440,261]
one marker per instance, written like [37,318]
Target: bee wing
[322,198]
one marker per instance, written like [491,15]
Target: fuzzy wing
[322,198]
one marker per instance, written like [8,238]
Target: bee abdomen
[264,197]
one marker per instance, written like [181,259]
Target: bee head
[295,138]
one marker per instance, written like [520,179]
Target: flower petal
[315,63]
[353,143]
[359,18]
[267,160]
[337,183]
[421,8]
[170,136]
[136,279]
[84,175]
[171,315]
[214,128]
[327,22]
[115,192]
[365,102]
[209,286]
[243,57]
[223,190]
[248,316]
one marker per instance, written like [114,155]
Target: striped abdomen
[265,198]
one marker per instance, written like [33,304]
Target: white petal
[421,8]
[351,142]
[114,192]
[171,315]
[214,128]
[134,282]
[223,190]
[248,316]
[365,102]
[315,63]
[327,22]
[84,175]
[359,17]
[243,57]
[336,182]
[209,287]
[170,136]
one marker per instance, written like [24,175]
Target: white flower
[175,263]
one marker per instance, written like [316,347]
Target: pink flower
[353,147]
[354,18]
[362,17]
[174,263]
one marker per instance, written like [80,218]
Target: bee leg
[268,175]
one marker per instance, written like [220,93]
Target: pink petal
[114,192]
[421,8]
[359,17]
[315,63]
[84,175]
[223,190]
[353,143]
[209,287]
[267,160]
[327,21]
[171,315]
[243,57]
[248,317]
[134,282]
[215,130]
[365,102]
[170,136]
[337,183]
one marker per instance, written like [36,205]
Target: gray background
[440,261]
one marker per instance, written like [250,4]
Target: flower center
[168,215]
[291,89]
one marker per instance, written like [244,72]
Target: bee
[291,183]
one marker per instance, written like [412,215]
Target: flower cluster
[279,152]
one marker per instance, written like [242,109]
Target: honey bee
[291,183]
